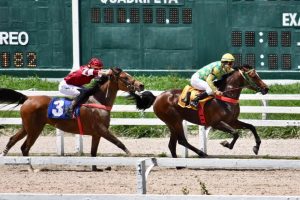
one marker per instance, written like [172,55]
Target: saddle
[188,94]
[57,109]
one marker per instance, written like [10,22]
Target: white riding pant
[200,84]
[69,90]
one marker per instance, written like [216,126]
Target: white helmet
[227,58]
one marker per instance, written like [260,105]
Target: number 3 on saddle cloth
[189,93]
[58,107]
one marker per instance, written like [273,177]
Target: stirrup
[194,103]
[184,100]
[69,112]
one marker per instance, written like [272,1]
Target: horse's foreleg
[242,125]
[227,128]
[94,148]
[183,141]
[172,143]
[13,140]
[110,137]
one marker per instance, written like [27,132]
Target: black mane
[220,83]
[116,70]
[85,93]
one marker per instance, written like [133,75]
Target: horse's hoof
[179,168]
[255,150]
[128,152]
[95,169]
[225,144]
[202,155]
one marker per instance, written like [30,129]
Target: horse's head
[252,79]
[125,81]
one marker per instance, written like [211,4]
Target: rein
[227,99]
[249,81]
[99,106]
[232,89]
[246,78]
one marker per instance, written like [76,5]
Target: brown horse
[219,114]
[95,121]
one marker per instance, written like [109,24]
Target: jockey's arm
[210,78]
[102,72]
[89,71]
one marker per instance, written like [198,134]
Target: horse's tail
[143,100]
[12,96]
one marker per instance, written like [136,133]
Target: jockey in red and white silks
[75,80]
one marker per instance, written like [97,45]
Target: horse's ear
[236,67]
[116,70]
[246,67]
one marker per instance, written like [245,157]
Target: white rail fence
[144,165]
[264,110]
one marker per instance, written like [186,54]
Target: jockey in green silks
[203,78]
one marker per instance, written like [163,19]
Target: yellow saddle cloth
[194,92]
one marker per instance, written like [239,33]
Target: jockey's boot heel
[70,110]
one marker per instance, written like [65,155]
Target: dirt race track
[122,180]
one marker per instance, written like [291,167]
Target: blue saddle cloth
[57,108]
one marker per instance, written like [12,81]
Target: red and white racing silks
[82,76]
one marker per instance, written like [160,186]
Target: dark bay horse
[95,121]
[219,114]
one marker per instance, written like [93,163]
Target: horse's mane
[220,83]
[116,70]
[85,93]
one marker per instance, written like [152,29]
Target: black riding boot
[85,93]
[195,102]
[186,99]
[81,98]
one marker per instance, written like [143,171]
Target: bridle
[129,85]
[249,81]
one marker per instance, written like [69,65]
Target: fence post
[264,116]
[60,150]
[185,130]
[141,176]
[79,144]
[203,133]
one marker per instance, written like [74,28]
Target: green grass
[27,84]
[162,83]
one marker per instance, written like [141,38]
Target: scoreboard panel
[35,37]
[150,36]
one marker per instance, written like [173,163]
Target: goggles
[228,63]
